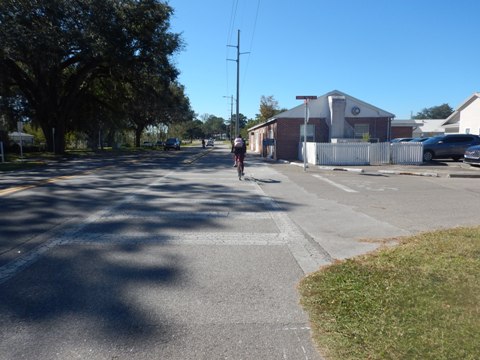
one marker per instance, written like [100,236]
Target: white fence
[363,153]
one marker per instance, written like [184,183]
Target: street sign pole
[306,100]
[20,130]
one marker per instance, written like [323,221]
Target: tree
[435,112]
[193,130]
[242,121]
[52,52]
[214,125]
[268,107]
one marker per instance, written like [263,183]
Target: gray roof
[319,108]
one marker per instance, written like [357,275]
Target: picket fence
[362,153]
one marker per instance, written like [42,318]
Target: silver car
[472,155]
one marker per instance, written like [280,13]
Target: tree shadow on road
[117,258]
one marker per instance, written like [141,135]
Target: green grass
[418,300]
[14,162]
[24,165]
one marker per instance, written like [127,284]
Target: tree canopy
[66,64]
[268,107]
[435,112]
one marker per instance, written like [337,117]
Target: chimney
[337,106]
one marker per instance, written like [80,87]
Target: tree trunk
[54,132]
[138,135]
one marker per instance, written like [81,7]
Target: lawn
[37,159]
[418,300]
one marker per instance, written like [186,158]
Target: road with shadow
[166,255]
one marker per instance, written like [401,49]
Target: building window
[467,131]
[310,133]
[361,130]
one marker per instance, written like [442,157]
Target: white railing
[362,153]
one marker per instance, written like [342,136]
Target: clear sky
[399,55]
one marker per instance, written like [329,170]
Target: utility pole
[237,122]
[231,115]
[306,99]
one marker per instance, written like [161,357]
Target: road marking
[309,257]
[15,189]
[173,238]
[340,186]
[187,215]
[36,184]
[65,234]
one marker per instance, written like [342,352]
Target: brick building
[333,117]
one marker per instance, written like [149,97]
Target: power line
[251,40]
[233,15]
[255,24]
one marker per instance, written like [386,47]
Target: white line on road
[340,186]
[308,256]
[63,235]
[187,215]
[203,238]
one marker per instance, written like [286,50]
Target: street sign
[305,97]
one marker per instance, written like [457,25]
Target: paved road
[349,212]
[161,257]
[166,262]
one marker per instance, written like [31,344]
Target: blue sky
[399,55]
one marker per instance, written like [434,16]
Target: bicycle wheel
[239,170]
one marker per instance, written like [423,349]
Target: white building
[429,127]
[25,138]
[466,119]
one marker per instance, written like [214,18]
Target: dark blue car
[448,146]
[172,143]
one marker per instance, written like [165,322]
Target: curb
[334,168]
[463,175]
[397,172]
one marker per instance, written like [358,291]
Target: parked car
[210,142]
[172,143]
[159,143]
[147,144]
[448,146]
[419,139]
[472,155]
[396,140]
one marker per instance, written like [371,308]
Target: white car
[210,142]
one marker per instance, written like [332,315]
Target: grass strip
[26,165]
[418,300]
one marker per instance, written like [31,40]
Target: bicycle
[239,164]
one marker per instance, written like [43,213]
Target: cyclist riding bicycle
[239,148]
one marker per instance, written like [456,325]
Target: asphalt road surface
[168,256]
